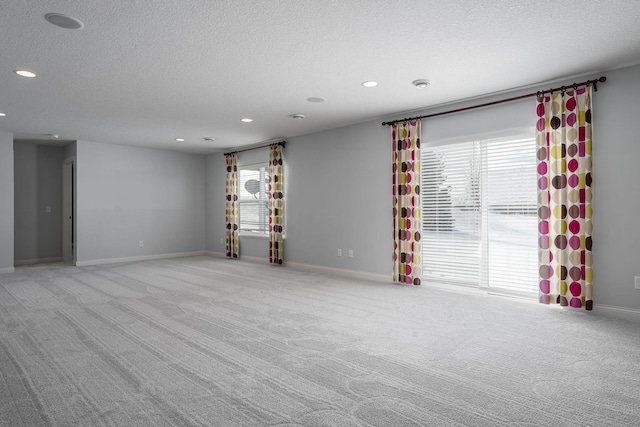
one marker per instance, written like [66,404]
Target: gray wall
[127,194]
[339,197]
[338,186]
[38,184]
[70,150]
[6,202]
[616,189]
[336,197]
[215,199]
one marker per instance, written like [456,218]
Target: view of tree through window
[479,204]
[252,199]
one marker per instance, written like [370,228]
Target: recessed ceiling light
[421,83]
[25,73]
[3,114]
[209,139]
[315,99]
[64,21]
[180,139]
[370,83]
[298,116]
[246,120]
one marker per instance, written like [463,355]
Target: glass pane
[252,203]
[451,214]
[252,183]
[253,216]
[512,222]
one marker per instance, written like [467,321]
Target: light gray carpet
[211,342]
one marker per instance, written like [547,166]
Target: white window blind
[451,215]
[479,205]
[252,200]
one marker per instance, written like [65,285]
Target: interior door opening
[68,211]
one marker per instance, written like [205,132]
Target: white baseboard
[36,261]
[254,259]
[610,310]
[7,270]
[352,274]
[216,254]
[137,258]
[223,255]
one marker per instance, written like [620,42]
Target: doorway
[68,211]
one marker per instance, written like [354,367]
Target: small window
[252,201]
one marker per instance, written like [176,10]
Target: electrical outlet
[141,243]
[339,252]
[637,282]
[47,209]
[350,253]
[222,240]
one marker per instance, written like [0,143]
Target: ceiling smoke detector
[298,116]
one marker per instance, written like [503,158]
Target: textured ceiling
[144,72]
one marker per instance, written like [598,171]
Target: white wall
[128,194]
[38,184]
[6,202]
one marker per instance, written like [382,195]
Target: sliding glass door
[479,215]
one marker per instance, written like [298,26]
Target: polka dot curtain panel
[563,142]
[233,243]
[276,204]
[407,216]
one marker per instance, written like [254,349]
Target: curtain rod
[594,83]
[283,143]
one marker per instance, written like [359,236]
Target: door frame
[69,210]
